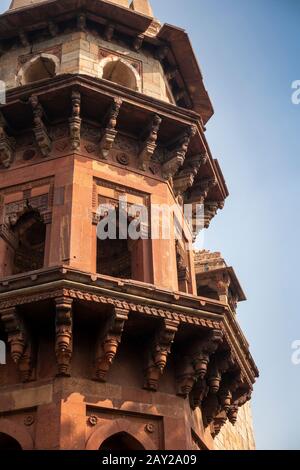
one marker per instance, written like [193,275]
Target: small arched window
[43,67]
[121,73]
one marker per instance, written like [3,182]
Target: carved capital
[64,335]
[40,131]
[109,132]
[158,353]
[7,145]
[149,143]
[75,120]
[108,342]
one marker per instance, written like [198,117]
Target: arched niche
[41,67]
[120,71]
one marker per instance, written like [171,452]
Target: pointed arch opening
[121,441]
[8,443]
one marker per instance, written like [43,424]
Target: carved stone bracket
[192,366]
[158,353]
[210,408]
[109,31]
[202,350]
[219,421]
[75,120]
[210,210]
[240,397]
[109,133]
[52,28]
[178,154]
[185,177]
[24,39]
[108,342]
[64,335]
[138,42]
[40,131]
[21,347]
[149,144]
[7,145]
[219,364]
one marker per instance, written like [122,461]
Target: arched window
[8,443]
[30,232]
[43,67]
[122,73]
[121,441]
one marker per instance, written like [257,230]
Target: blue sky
[249,53]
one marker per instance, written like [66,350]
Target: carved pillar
[158,353]
[108,342]
[21,347]
[75,120]
[64,335]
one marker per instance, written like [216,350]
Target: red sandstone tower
[111,344]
